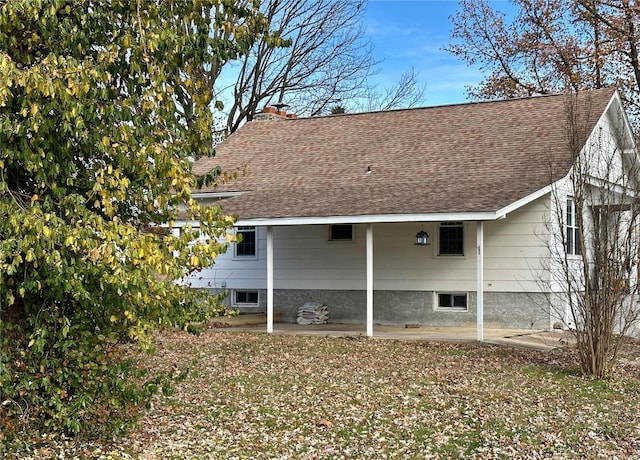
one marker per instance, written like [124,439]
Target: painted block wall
[399,308]
[504,310]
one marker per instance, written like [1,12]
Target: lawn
[273,396]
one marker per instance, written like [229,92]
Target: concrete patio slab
[522,338]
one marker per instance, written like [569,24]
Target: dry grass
[259,396]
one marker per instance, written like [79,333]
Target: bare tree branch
[328,60]
[594,240]
[406,92]
[551,45]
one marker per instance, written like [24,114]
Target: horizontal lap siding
[514,250]
[233,272]
[399,262]
[305,259]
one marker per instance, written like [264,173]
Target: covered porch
[369,270]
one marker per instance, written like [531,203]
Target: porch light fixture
[422,238]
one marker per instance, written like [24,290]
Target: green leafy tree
[94,168]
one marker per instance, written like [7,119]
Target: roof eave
[205,195]
[503,212]
[369,219]
[385,218]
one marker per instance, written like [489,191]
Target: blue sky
[413,33]
[409,34]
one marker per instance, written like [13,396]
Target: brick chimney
[275,112]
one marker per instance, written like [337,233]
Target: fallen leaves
[275,396]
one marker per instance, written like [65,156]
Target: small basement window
[452,301]
[341,232]
[245,297]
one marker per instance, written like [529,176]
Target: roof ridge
[476,156]
[455,104]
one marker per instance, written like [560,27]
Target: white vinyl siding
[304,258]
[235,273]
[515,250]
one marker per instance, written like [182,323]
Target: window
[246,297]
[573,232]
[451,240]
[341,232]
[247,246]
[452,301]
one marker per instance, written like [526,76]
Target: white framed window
[451,301]
[572,229]
[246,297]
[451,239]
[248,244]
[341,232]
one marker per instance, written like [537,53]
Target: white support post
[269,279]
[480,281]
[369,280]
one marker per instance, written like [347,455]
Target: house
[330,208]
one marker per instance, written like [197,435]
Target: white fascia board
[618,189]
[369,219]
[502,213]
[200,196]
[625,121]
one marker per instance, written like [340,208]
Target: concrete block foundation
[398,308]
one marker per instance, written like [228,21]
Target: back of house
[428,216]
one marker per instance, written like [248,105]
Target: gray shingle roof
[476,157]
